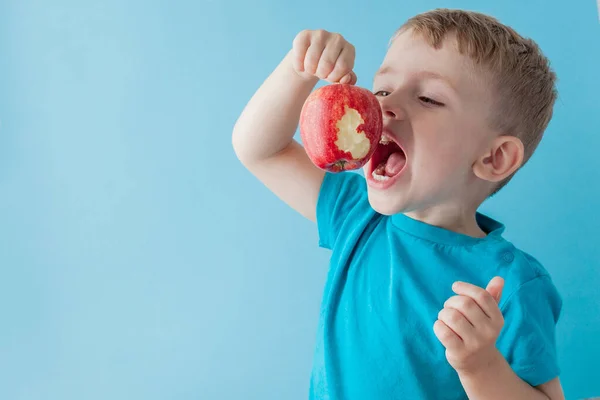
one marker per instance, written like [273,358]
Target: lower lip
[382,185]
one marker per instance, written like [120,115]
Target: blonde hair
[522,80]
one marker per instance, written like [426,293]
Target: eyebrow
[422,74]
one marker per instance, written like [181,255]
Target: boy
[424,298]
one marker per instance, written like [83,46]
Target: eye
[430,101]
[382,93]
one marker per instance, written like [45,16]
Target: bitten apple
[340,126]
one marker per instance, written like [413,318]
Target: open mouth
[388,160]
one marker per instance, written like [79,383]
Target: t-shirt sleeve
[340,197]
[528,338]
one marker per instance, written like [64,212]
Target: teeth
[380,178]
[384,140]
[377,174]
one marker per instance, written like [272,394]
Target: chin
[387,203]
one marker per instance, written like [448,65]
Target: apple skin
[340,127]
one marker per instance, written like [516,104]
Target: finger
[300,46]
[329,58]
[313,54]
[343,65]
[456,321]
[495,287]
[481,297]
[446,336]
[349,78]
[469,308]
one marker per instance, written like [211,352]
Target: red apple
[340,127]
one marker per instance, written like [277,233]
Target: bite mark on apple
[350,139]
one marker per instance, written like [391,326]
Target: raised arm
[263,134]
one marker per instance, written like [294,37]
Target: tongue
[395,163]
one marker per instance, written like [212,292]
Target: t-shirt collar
[493,228]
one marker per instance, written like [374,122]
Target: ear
[502,158]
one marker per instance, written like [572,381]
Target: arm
[468,326]
[498,381]
[263,135]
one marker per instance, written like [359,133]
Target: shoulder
[342,207]
[344,191]
[526,279]
[524,266]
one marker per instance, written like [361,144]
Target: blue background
[139,260]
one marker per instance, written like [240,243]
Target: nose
[392,108]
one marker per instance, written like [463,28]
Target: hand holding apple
[340,124]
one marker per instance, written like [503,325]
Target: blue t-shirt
[390,276]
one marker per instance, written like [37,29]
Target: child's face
[435,106]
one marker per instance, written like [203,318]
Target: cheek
[445,150]
[442,155]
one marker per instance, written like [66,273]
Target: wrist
[488,365]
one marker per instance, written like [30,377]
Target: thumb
[349,78]
[495,287]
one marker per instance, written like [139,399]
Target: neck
[454,219]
